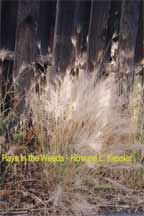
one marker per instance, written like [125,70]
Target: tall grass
[75,115]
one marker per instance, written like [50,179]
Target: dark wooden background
[30,29]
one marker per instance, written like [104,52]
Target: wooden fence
[29,28]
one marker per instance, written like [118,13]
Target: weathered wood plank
[64,28]
[81,24]
[46,24]
[0,21]
[6,55]
[8,24]
[26,48]
[97,32]
[26,36]
[10,56]
[113,28]
[139,50]
[127,43]
[8,14]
